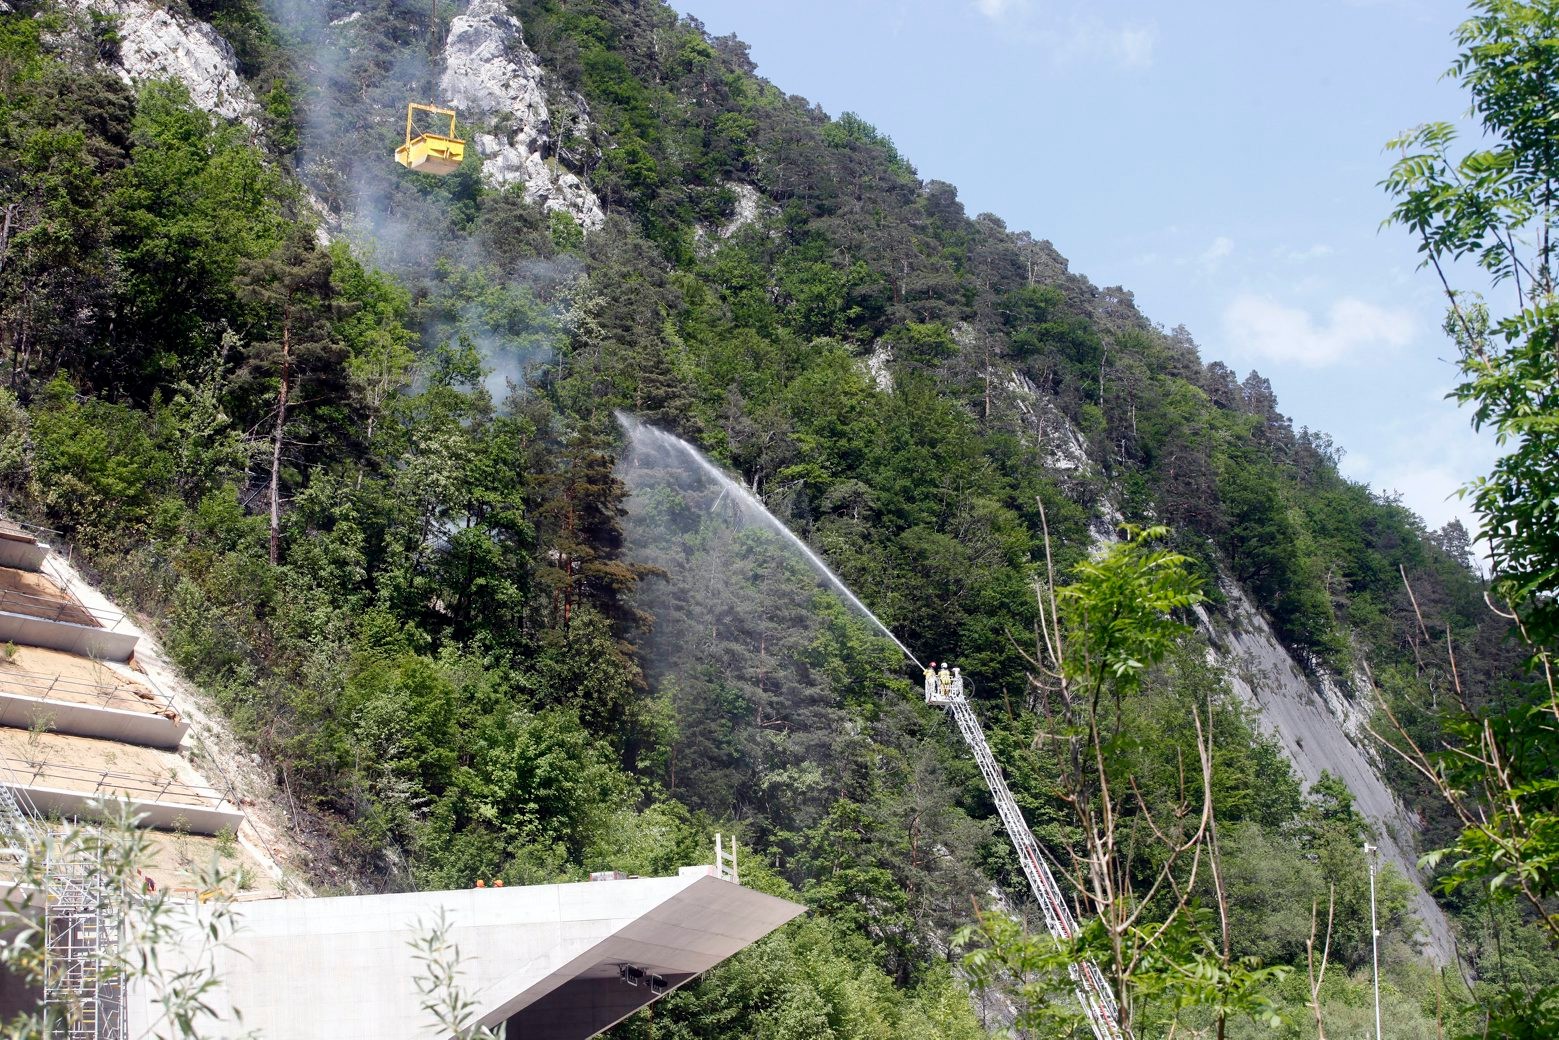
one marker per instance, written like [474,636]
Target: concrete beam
[87,641]
[92,720]
[23,554]
[544,957]
[588,1004]
[162,816]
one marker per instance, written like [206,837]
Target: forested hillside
[346,435]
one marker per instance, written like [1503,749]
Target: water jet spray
[646,440]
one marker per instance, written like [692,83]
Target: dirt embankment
[212,754]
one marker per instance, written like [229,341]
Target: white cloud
[1209,259]
[1077,39]
[997,10]
[1262,327]
[1223,247]
[1133,46]
[1128,46]
[1314,252]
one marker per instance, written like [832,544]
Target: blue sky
[1220,160]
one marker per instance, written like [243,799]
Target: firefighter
[931,680]
[958,683]
[945,680]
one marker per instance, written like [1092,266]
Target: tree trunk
[276,439]
[5,232]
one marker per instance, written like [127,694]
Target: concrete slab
[41,595]
[545,958]
[53,691]
[33,671]
[63,774]
[23,553]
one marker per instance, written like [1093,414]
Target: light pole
[1370,851]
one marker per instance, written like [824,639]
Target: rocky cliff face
[154,43]
[490,74]
[1044,426]
[1316,721]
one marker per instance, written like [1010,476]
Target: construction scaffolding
[83,993]
[19,828]
[83,922]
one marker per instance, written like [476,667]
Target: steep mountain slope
[1318,722]
[445,644]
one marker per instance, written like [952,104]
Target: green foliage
[1489,205]
[1181,971]
[194,191]
[1493,205]
[807,982]
[1517,849]
[462,663]
[1118,609]
[96,462]
[1486,205]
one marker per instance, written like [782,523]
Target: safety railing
[10,528]
[107,782]
[126,695]
[69,611]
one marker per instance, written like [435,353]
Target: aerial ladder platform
[1093,989]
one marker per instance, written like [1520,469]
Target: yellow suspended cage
[438,154]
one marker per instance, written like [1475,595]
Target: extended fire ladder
[1093,990]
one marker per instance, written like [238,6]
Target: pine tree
[291,351]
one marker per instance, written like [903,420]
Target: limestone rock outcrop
[155,43]
[490,74]
[1314,717]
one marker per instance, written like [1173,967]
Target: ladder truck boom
[1093,990]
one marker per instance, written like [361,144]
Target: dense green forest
[464,637]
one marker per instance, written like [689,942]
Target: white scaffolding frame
[83,924]
[725,861]
[83,920]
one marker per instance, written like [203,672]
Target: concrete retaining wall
[91,720]
[24,556]
[96,643]
[194,819]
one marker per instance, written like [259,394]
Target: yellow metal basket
[437,154]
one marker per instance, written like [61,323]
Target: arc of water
[640,433]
